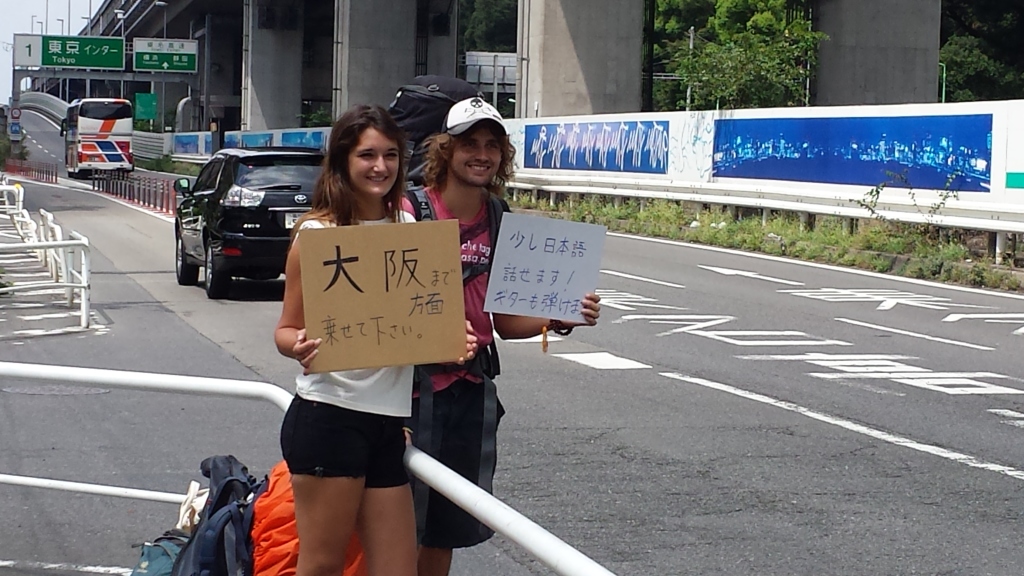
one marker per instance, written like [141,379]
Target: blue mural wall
[922,152]
[303,138]
[186,144]
[626,146]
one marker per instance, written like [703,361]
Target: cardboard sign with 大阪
[544,267]
[383,295]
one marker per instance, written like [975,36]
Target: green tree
[747,55]
[490,25]
[983,49]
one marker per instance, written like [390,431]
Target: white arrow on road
[744,273]
[992,319]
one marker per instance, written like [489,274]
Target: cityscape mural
[921,152]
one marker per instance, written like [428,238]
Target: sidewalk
[34,313]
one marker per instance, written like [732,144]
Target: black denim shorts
[328,441]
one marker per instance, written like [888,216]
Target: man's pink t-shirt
[476,249]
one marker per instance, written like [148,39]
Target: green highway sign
[78,52]
[165,55]
[145,106]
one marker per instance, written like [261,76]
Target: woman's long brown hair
[333,197]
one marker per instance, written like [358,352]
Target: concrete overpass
[263,63]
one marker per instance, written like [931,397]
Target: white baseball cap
[465,114]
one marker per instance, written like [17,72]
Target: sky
[16,18]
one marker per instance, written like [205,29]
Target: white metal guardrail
[67,260]
[12,198]
[554,553]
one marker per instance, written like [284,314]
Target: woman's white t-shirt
[386,391]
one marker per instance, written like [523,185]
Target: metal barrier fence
[39,171]
[67,260]
[554,553]
[153,193]
[12,198]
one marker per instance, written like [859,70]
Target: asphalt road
[752,415]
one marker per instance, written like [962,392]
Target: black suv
[236,219]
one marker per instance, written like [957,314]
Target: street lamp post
[163,83]
[943,66]
[120,19]
[60,83]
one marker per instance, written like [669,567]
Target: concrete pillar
[374,51]
[442,48]
[582,57]
[878,51]
[271,64]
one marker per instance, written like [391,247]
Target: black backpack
[221,544]
[419,109]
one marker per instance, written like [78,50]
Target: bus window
[105,110]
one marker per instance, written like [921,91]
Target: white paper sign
[544,267]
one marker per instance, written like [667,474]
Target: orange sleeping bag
[275,540]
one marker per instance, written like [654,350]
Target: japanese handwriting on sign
[441,277]
[431,304]
[408,265]
[378,296]
[543,268]
[339,268]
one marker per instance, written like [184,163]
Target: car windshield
[283,173]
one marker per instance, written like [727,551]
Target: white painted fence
[554,553]
[12,197]
[67,260]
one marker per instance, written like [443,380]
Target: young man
[456,410]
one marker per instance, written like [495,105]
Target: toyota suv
[236,220]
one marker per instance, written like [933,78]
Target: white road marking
[697,324]
[18,565]
[1006,413]
[881,367]
[902,441]
[887,299]
[54,316]
[914,334]
[820,266]
[642,279]
[630,302]
[744,273]
[991,319]
[603,361]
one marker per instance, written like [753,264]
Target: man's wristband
[557,327]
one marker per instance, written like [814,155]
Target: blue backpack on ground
[221,544]
[157,557]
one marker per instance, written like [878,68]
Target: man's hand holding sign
[546,268]
[383,295]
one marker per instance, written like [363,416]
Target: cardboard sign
[383,295]
[544,267]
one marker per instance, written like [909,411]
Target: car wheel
[217,283]
[186,272]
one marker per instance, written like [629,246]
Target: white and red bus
[98,136]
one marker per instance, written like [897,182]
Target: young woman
[342,436]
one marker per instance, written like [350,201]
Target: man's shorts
[328,441]
[457,429]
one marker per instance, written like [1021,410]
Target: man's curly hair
[438,157]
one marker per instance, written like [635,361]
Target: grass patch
[911,250]
[166,164]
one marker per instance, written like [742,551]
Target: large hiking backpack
[221,544]
[157,557]
[419,109]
